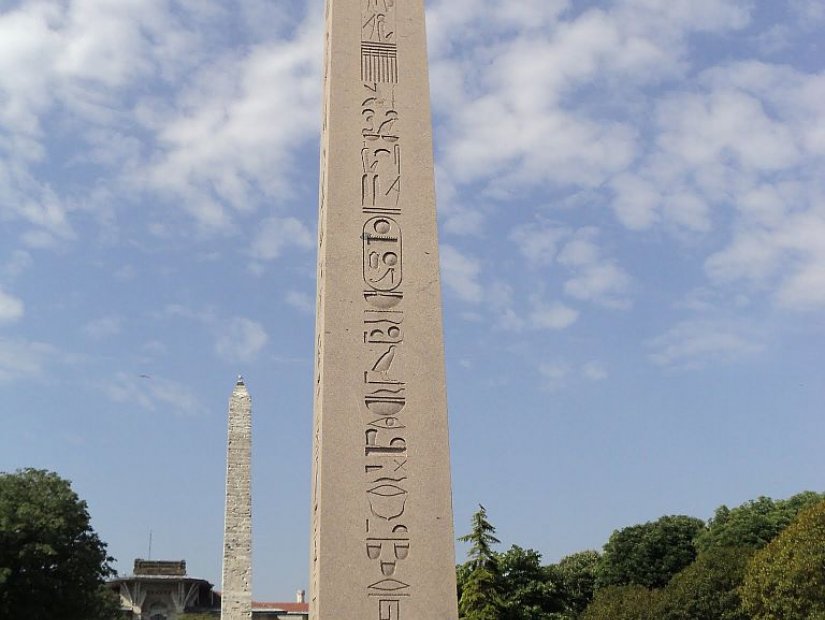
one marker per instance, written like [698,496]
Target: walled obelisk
[236,586]
[382,533]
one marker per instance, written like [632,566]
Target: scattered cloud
[560,374]
[696,343]
[23,359]
[11,308]
[554,375]
[18,263]
[275,235]
[237,339]
[229,142]
[301,301]
[103,327]
[595,278]
[552,316]
[538,242]
[594,371]
[461,274]
[241,340]
[153,394]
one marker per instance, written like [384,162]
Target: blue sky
[632,215]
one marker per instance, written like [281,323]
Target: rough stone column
[236,586]
[382,533]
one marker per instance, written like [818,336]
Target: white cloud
[552,316]
[152,393]
[19,262]
[21,359]
[301,301]
[103,327]
[554,375]
[461,274]
[11,308]
[240,339]
[229,142]
[538,242]
[595,371]
[276,235]
[595,278]
[695,343]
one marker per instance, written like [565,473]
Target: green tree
[575,577]
[622,603]
[786,579]
[481,590]
[528,592]
[649,554]
[708,588]
[52,563]
[755,523]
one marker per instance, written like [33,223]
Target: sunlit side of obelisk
[236,586]
[382,532]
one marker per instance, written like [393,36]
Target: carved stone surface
[236,587]
[382,532]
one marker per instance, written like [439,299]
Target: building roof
[157,578]
[291,607]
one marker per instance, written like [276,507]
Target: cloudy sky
[632,212]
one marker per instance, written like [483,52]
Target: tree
[528,592]
[649,554]
[52,563]
[622,603]
[786,579]
[575,577]
[708,588]
[755,523]
[481,590]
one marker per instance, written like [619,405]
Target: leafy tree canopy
[786,579]
[649,554]
[52,563]
[755,523]
[575,576]
[708,588]
[622,603]
[529,593]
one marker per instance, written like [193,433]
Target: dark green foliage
[755,523]
[708,588]
[52,563]
[575,577]
[622,603]
[528,592]
[481,587]
[786,579]
[649,554]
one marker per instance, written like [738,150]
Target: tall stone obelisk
[236,586]
[382,533]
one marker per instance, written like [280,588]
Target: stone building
[161,590]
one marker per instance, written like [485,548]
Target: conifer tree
[481,593]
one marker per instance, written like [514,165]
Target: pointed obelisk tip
[240,380]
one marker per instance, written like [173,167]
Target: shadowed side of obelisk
[236,586]
[382,533]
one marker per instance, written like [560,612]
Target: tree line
[762,560]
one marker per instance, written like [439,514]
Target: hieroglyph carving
[387,537]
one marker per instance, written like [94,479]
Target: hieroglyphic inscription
[388,540]
[379,50]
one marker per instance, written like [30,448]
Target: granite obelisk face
[382,533]
[236,587]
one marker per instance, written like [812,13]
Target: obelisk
[382,532]
[236,586]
